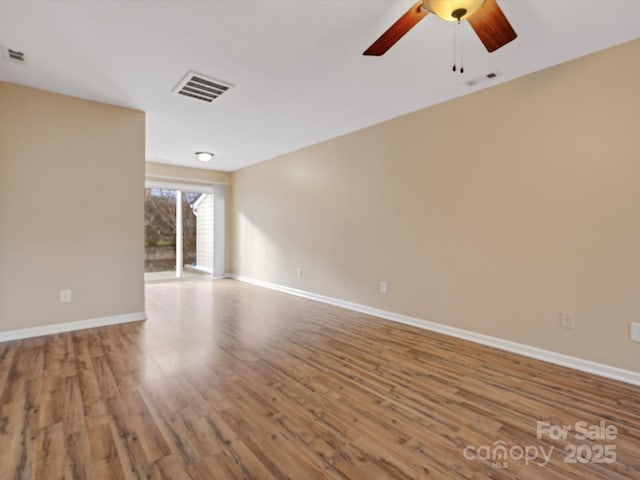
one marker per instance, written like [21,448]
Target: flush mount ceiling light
[204,156]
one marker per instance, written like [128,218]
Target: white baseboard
[21,333]
[601,369]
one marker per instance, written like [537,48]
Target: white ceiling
[297,65]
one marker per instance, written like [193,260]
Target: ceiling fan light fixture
[204,156]
[453,10]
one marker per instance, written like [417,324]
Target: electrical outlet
[299,272]
[567,319]
[383,287]
[635,332]
[65,295]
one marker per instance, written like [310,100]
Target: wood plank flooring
[230,381]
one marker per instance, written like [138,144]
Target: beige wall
[491,212]
[161,171]
[71,208]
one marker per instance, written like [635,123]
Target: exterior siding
[204,236]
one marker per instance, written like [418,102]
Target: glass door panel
[160,233]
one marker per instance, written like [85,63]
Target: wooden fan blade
[405,23]
[491,26]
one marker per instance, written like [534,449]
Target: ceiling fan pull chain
[457,26]
[455,42]
[461,49]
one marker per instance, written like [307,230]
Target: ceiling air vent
[201,87]
[14,55]
[484,78]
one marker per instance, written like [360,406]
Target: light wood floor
[230,381]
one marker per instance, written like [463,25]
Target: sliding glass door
[179,231]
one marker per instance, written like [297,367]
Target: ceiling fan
[485,16]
